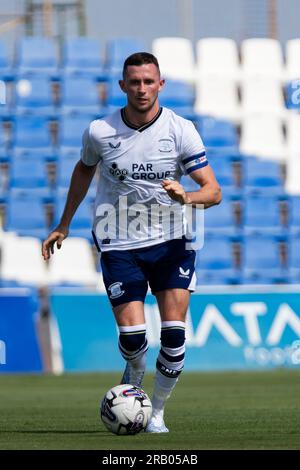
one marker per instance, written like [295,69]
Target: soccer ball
[125,409]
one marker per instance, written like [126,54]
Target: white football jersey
[131,203]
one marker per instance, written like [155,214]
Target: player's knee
[172,337]
[132,343]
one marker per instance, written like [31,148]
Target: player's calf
[133,346]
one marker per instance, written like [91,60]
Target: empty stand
[175,57]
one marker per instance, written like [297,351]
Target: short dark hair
[140,58]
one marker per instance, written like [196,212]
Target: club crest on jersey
[165,145]
[112,146]
[115,290]
[117,172]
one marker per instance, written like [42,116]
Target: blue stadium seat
[6,71]
[217,133]
[261,261]
[261,176]
[261,214]
[4,153]
[221,220]
[33,96]
[118,49]
[37,55]
[31,137]
[115,97]
[81,56]
[215,263]
[294,259]
[29,174]
[294,215]
[65,167]
[293,95]
[5,101]
[178,96]
[223,169]
[79,95]
[71,129]
[82,221]
[26,216]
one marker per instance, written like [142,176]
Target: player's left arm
[209,193]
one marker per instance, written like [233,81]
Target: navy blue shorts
[168,265]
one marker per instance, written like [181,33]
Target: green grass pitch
[232,410]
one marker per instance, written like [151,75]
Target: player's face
[142,84]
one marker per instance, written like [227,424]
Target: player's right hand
[57,236]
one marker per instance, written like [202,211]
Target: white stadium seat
[292,68]
[262,57]
[262,95]
[217,57]
[73,264]
[293,135]
[175,57]
[262,135]
[218,97]
[292,185]
[22,260]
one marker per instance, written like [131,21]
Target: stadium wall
[228,329]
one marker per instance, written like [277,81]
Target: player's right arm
[80,182]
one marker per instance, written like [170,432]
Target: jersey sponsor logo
[115,290]
[165,145]
[141,171]
[184,273]
[112,146]
[117,172]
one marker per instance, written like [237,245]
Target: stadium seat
[224,171]
[262,135]
[30,174]
[292,67]
[264,96]
[6,71]
[70,131]
[294,215]
[79,95]
[115,97]
[292,185]
[81,57]
[26,216]
[262,57]
[220,220]
[215,263]
[261,215]
[217,133]
[37,55]
[73,265]
[33,96]
[4,153]
[176,93]
[261,176]
[293,136]
[118,49]
[294,259]
[6,111]
[175,57]
[292,95]
[217,58]
[218,97]
[82,221]
[31,137]
[261,261]
[22,261]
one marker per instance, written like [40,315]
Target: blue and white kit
[133,163]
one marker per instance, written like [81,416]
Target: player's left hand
[175,191]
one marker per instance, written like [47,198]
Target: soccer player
[142,151]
